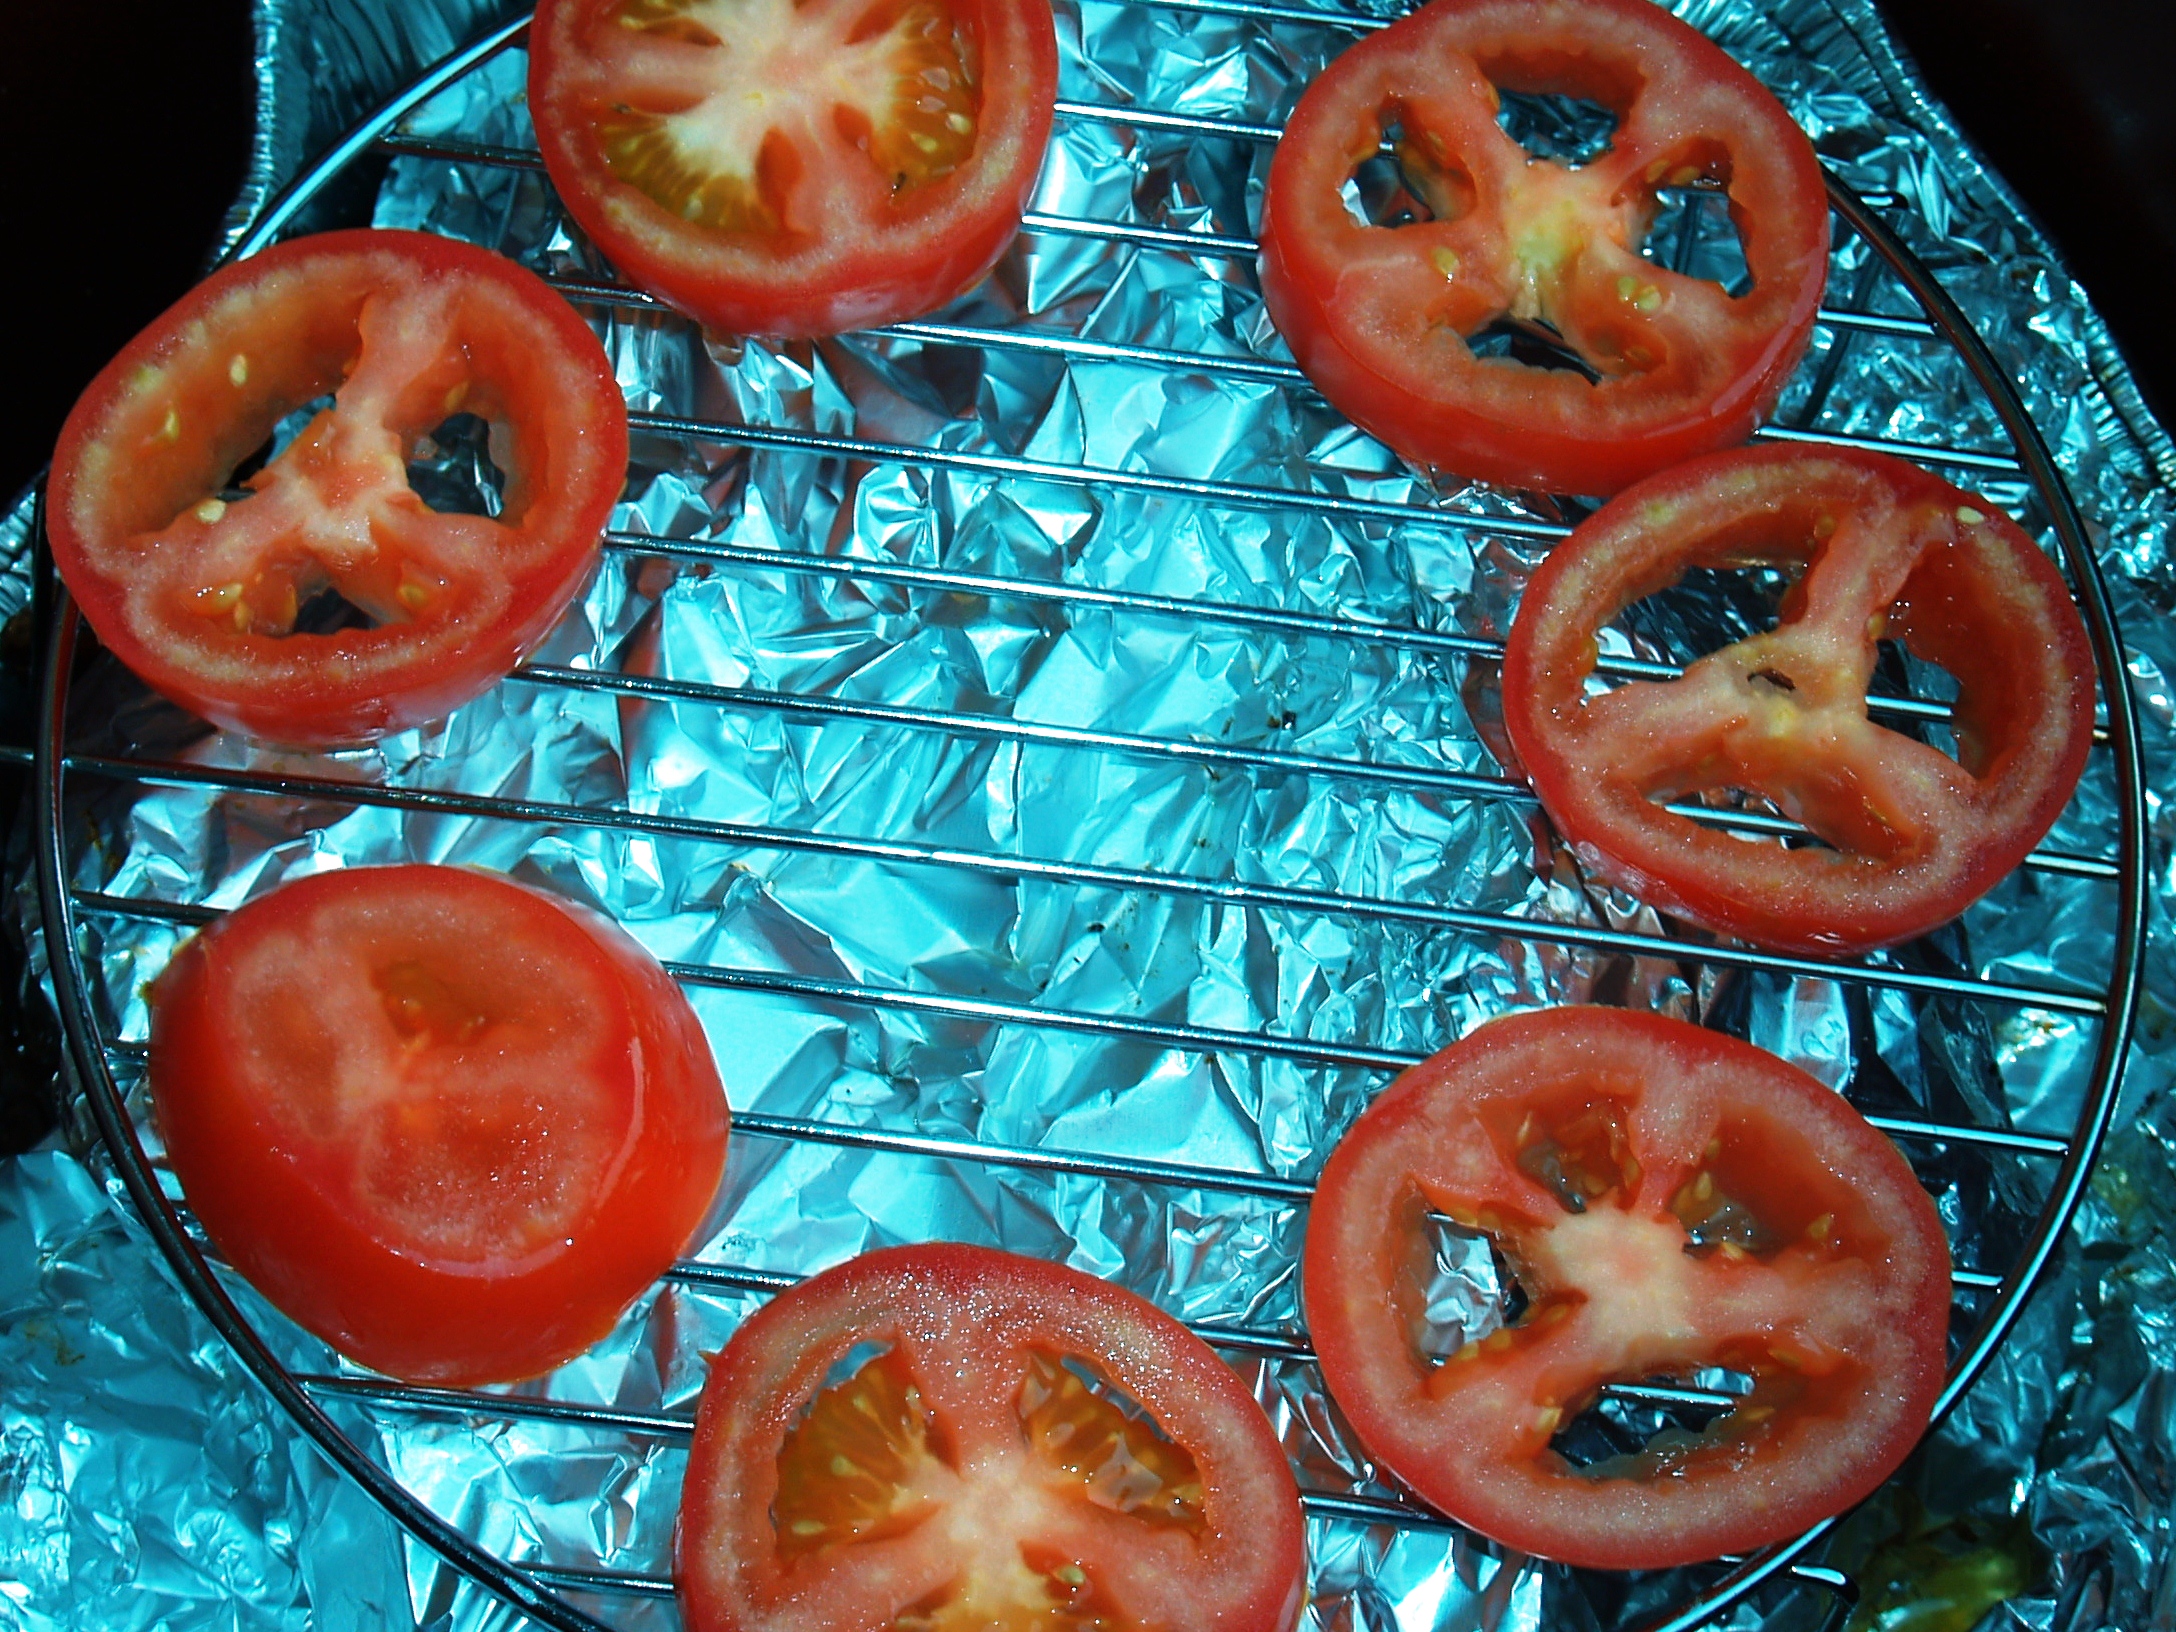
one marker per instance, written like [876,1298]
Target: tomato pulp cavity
[951,1439]
[772,167]
[455,1169]
[1385,314]
[1903,836]
[1668,1200]
[322,599]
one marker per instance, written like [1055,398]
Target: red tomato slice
[1380,316]
[773,167]
[1668,1198]
[976,1471]
[1908,836]
[200,594]
[453,1169]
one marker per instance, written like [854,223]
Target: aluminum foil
[2046,1492]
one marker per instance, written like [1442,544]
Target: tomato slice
[198,585]
[1907,836]
[1667,1199]
[949,1439]
[453,1169]
[1381,316]
[795,167]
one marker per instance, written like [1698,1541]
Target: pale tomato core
[865,1463]
[441,1079]
[713,102]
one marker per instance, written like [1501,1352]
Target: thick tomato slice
[1907,836]
[1667,1199]
[950,1439]
[198,586]
[795,167]
[1381,316]
[453,1168]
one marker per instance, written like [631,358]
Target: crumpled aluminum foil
[2051,1485]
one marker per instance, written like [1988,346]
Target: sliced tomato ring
[952,1439]
[781,168]
[1668,1199]
[454,1168]
[1381,315]
[1908,836]
[197,585]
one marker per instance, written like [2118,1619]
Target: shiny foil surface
[1110,823]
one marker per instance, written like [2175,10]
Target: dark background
[120,150]
[122,144]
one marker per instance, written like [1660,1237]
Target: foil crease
[2066,1443]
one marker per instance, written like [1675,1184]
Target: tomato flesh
[198,585]
[1908,837]
[795,168]
[1030,1448]
[452,1169]
[1668,1200]
[1384,317]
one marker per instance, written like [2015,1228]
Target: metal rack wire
[103,1065]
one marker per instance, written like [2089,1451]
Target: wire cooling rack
[1989,1301]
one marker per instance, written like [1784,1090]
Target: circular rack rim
[528,1588]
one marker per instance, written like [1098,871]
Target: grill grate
[107,1066]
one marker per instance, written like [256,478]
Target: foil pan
[146,1482]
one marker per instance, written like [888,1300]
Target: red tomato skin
[1987,606]
[727,1572]
[282,1206]
[115,479]
[938,245]
[1397,368]
[1768,1488]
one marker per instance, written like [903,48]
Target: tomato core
[713,92]
[866,1463]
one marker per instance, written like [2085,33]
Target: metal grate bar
[474,1402]
[1482,923]
[1277,620]
[1262,12]
[1264,1186]
[589,1579]
[2004,464]
[1189,124]
[1141,235]
[1238,495]
[1138,1170]
[1209,1040]
[1032,339]
[1005,728]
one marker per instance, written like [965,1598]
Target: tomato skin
[457,1210]
[1378,317]
[1915,837]
[402,324]
[862,261]
[967,1318]
[1869,1300]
